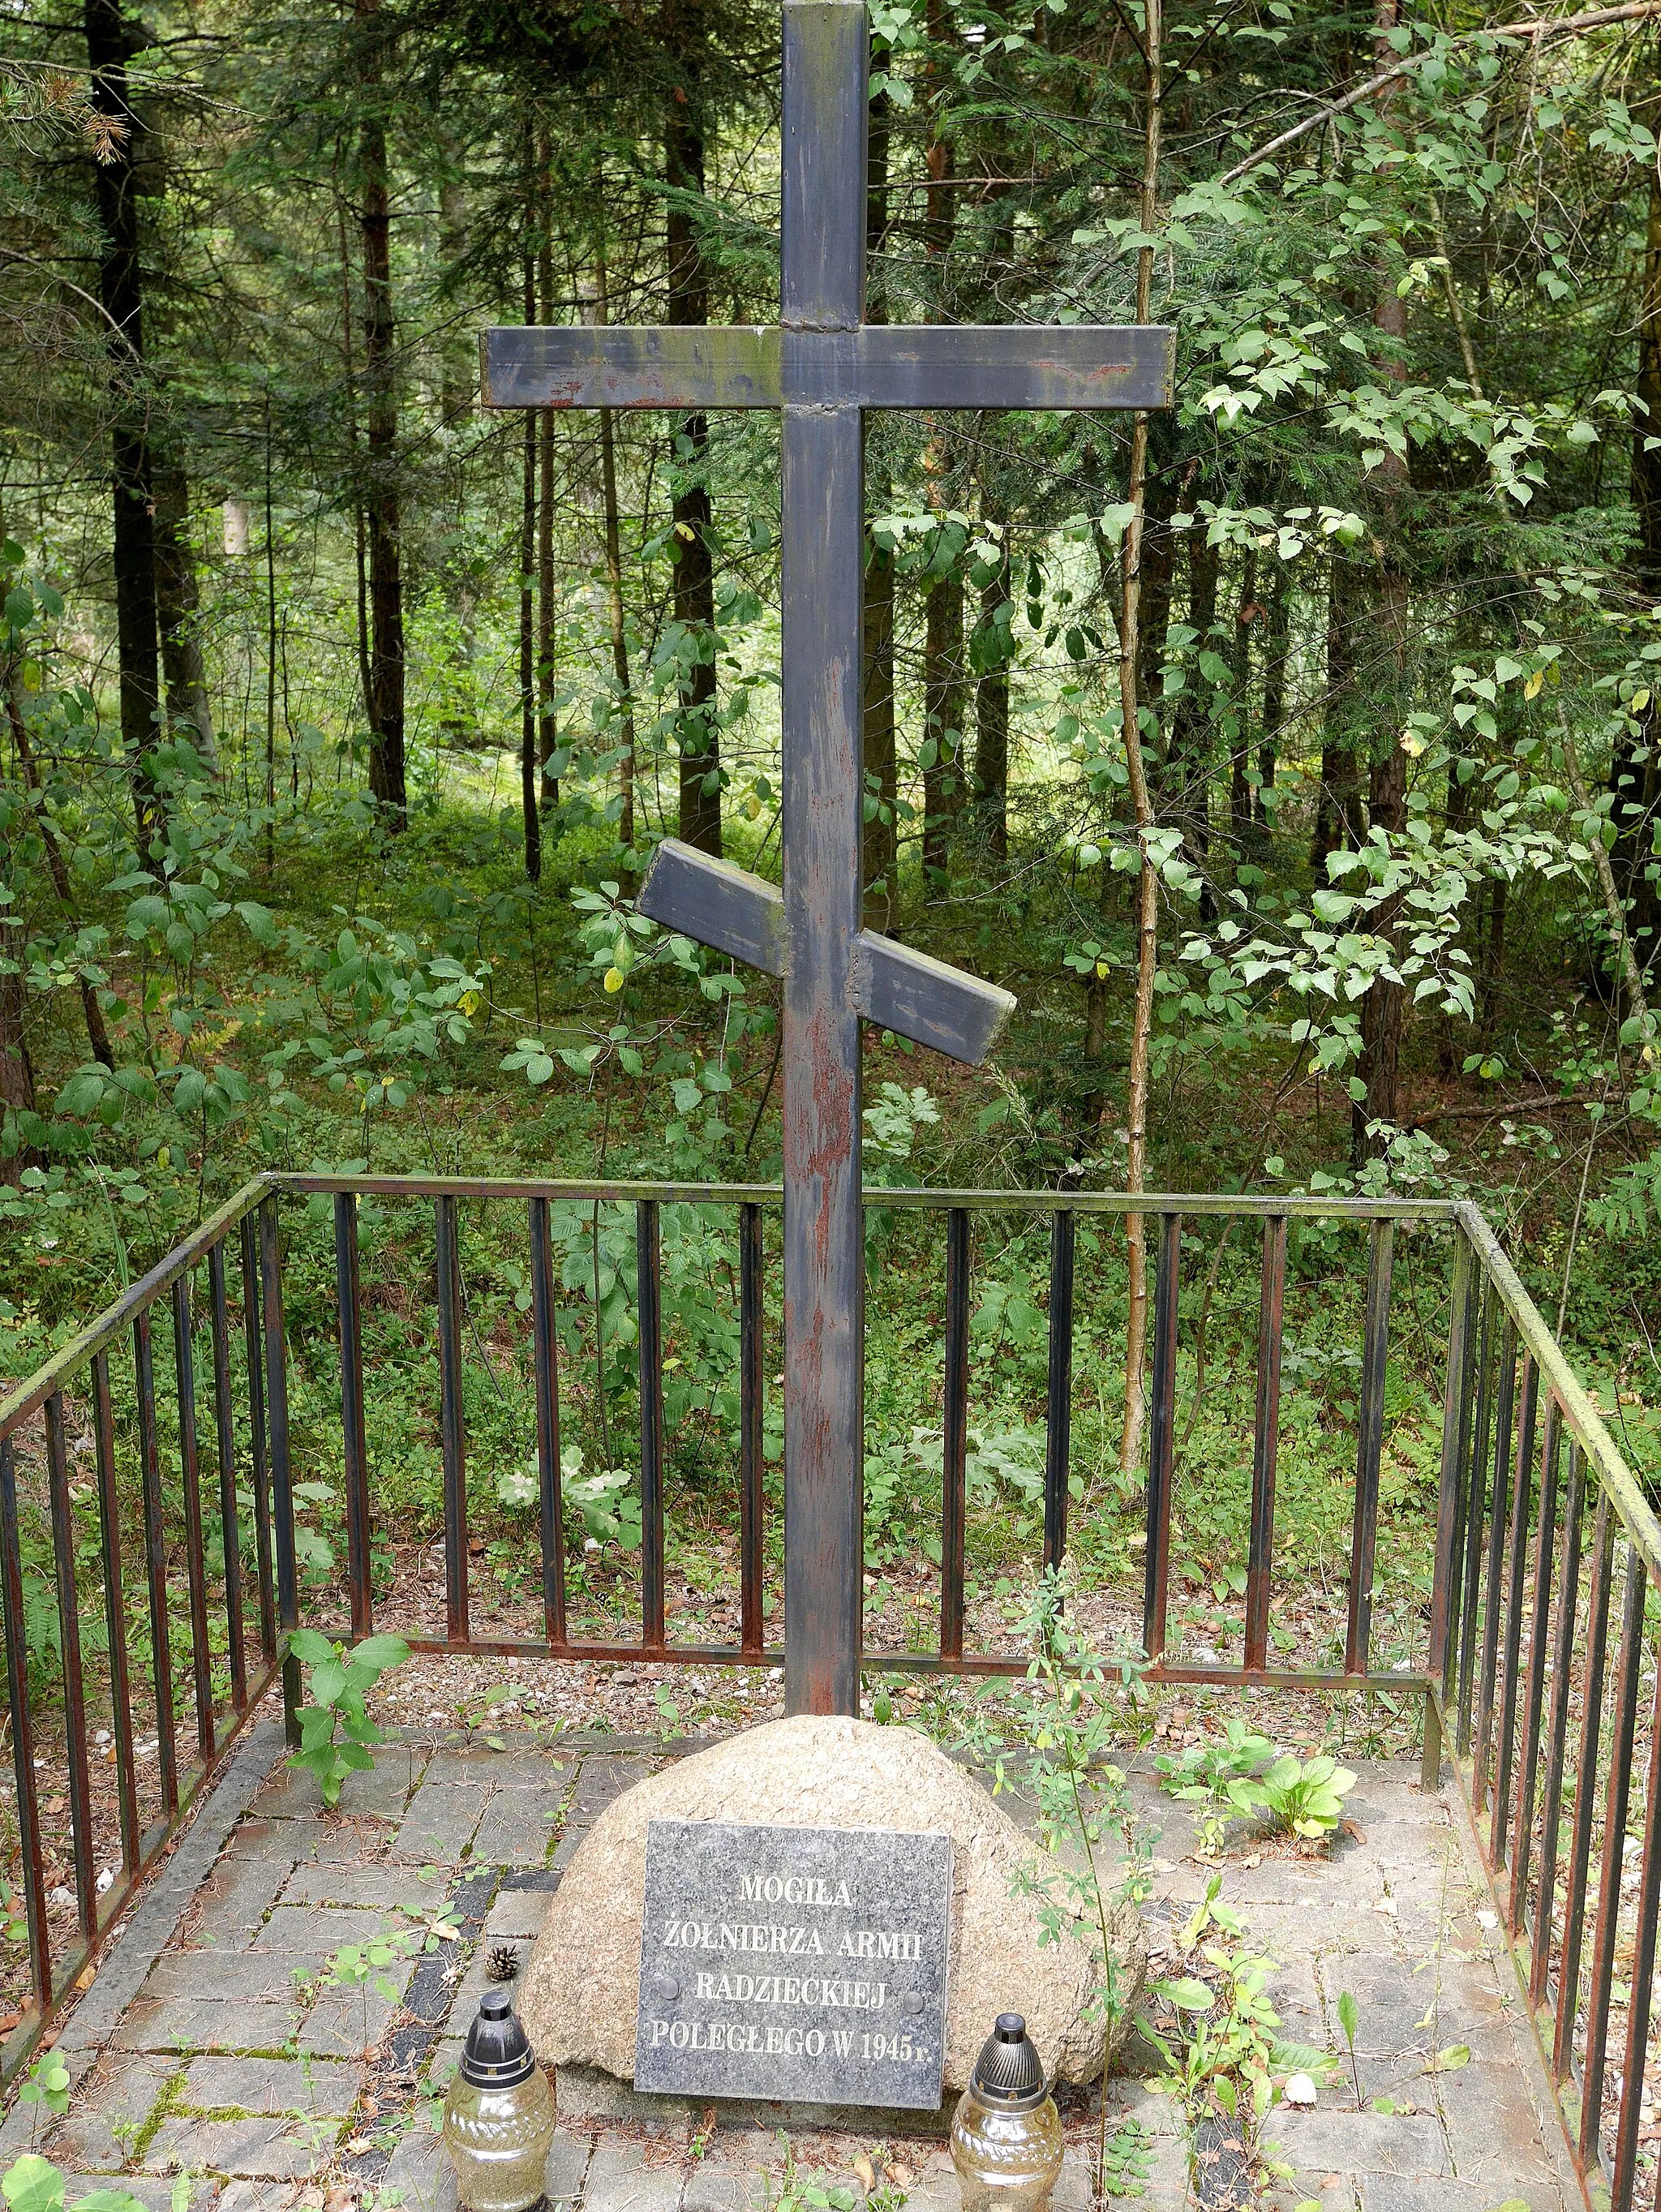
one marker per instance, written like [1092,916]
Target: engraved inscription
[802,1964]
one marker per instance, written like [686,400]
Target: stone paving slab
[227,1976]
[313,2087]
[517,1915]
[304,1930]
[109,2107]
[293,1793]
[198,2024]
[517,1828]
[264,2149]
[422,2176]
[439,1823]
[384,1885]
[155,2195]
[345,2023]
[619,2180]
[125,1965]
[226,2054]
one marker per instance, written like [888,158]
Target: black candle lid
[497,2054]
[1009,2072]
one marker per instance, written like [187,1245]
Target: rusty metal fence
[1549,1565]
[1538,1653]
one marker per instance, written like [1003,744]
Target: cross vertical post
[821,367]
[825,46]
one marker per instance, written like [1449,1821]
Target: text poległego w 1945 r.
[806,1964]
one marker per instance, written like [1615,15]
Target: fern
[43,1639]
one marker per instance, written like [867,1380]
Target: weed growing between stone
[337,1736]
[805,2188]
[46,2089]
[1217,2035]
[1067,1727]
[364,1966]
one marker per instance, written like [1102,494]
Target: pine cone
[503,1963]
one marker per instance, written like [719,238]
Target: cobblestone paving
[225,2053]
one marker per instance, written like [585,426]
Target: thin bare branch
[1592,18]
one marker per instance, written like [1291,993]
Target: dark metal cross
[823,366]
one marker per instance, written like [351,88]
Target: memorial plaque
[805,1965]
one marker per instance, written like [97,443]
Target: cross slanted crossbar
[823,366]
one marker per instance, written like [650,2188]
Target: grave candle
[499,2116]
[1006,2132]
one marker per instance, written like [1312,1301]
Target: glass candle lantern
[500,2115]
[1006,2132]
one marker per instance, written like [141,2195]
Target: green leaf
[1452,2057]
[1188,1995]
[33,2184]
[380,1653]
[1349,2018]
[308,1647]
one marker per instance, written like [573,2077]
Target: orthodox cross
[823,366]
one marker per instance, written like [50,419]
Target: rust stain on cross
[822,368]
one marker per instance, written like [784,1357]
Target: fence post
[1057,1403]
[1455,1424]
[276,1418]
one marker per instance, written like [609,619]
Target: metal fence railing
[1549,1555]
[1545,1555]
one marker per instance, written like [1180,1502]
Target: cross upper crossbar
[880,365]
[823,366]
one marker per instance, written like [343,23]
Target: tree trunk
[1337,808]
[992,739]
[942,717]
[1275,647]
[1636,787]
[1493,956]
[614,587]
[1156,581]
[1383,1008]
[459,371]
[694,566]
[1630,973]
[1635,782]
[943,634]
[1130,645]
[359,538]
[386,761]
[457,389]
[16,1071]
[1188,760]
[110,45]
[548,715]
[531,820]
[178,611]
[98,1037]
[1646,425]
[1239,684]
[880,841]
